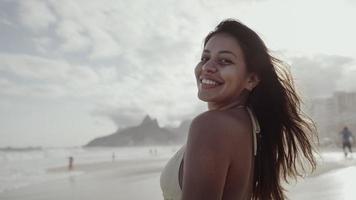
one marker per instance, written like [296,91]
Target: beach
[138,179]
[105,180]
[334,179]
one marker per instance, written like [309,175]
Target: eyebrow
[220,52]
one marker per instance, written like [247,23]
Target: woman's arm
[211,144]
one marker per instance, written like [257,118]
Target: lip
[201,77]
[209,86]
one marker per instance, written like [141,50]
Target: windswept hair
[287,134]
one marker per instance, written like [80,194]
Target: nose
[209,67]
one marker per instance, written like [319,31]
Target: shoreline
[139,179]
[105,165]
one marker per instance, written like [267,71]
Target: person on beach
[347,139]
[70,162]
[253,133]
[113,157]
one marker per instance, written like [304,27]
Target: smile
[208,83]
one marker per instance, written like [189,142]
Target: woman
[253,132]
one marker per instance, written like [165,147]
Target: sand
[333,180]
[137,180]
[337,184]
[118,180]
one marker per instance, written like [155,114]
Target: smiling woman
[222,74]
[253,132]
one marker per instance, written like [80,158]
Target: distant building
[333,113]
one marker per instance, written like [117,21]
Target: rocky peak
[148,121]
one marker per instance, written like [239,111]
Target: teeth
[210,82]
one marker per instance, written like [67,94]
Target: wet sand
[110,181]
[334,179]
[337,184]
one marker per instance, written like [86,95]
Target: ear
[252,81]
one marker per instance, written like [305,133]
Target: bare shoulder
[217,124]
[216,141]
[222,130]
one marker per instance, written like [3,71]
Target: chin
[205,98]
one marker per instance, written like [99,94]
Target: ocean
[23,168]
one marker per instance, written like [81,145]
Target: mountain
[148,132]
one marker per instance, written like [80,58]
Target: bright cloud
[36,15]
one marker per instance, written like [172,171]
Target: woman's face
[221,74]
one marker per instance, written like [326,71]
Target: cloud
[100,31]
[124,97]
[36,15]
[73,37]
[321,75]
[103,32]
[143,63]
[5,22]
[167,99]
[123,116]
[32,75]
[125,59]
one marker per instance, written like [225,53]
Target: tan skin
[218,159]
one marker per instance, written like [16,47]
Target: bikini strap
[255,129]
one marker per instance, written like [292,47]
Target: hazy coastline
[137,177]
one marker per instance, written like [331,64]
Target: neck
[225,107]
[235,103]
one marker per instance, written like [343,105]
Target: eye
[225,61]
[204,58]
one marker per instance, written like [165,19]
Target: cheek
[230,74]
[197,70]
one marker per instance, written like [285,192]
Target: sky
[71,71]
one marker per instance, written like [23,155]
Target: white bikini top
[169,179]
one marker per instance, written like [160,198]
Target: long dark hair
[286,133]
